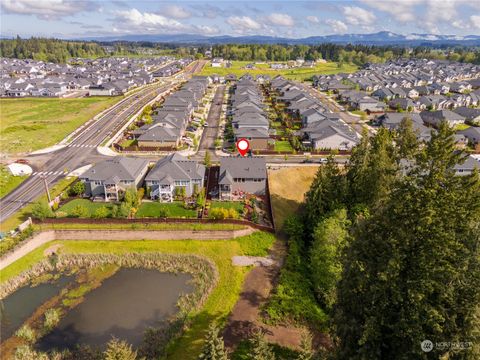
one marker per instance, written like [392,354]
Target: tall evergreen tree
[406,139]
[119,350]
[214,348]
[306,352]
[326,194]
[412,271]
[261,348]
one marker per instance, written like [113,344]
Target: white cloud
[338,27]
[355,15]
[313,19]
[147,22]
[207,30]
[280,19]
[401,10]
[475,21]
[47,9]
[176,12]
[242,24]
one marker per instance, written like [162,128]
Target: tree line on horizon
[60,51]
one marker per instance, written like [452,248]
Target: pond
[123,307]
[19,306]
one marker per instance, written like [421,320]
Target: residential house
[110,178]
[240,176]
[434,118]
[171,173]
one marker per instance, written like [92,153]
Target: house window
[128,182]
[97,183]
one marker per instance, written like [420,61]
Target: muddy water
[123,307]
[20,305]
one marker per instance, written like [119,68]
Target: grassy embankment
[220,301]
[287,188]
[300,74]
[8,182]
[20,216]
[30,124]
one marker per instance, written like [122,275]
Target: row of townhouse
[108,180]
[171,120]
[321,129]
[419,84]
[97,77]
[247,111]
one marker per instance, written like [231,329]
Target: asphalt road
[78,152]
[207,142]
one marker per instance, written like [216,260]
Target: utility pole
[46,189]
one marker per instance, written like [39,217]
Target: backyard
[8,182]
[33,123]
[301,74]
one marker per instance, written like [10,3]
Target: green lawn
[221,300]
[237,205]
[8,182]
[283,146]
[89,205]
[174,209]
[294,74]
[30,124]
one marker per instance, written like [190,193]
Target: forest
[385,254]
[50,50]
[60,51]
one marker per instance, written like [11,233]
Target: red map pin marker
[242,146]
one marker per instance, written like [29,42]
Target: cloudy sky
[83,18]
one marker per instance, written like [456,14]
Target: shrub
[101,213]
[52,318]
[41,210]
[218,213]
[60,214]
[26,333]
[123,210]
[78,188]
[119,350]
[80,211]
[232,213]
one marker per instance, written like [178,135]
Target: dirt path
[245,316]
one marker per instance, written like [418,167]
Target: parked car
[22,161]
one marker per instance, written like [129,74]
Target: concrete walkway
[44,237]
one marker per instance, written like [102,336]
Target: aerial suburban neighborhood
[239,180]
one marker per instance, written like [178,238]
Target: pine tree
[412,271]
[261,349]
[406,139]
[306,352]
[214,348]
[326,194]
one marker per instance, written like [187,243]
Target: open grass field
[300,74]
[287,188]
[30,124]
[8,182]
[221,300]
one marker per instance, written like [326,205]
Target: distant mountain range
[379,38]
